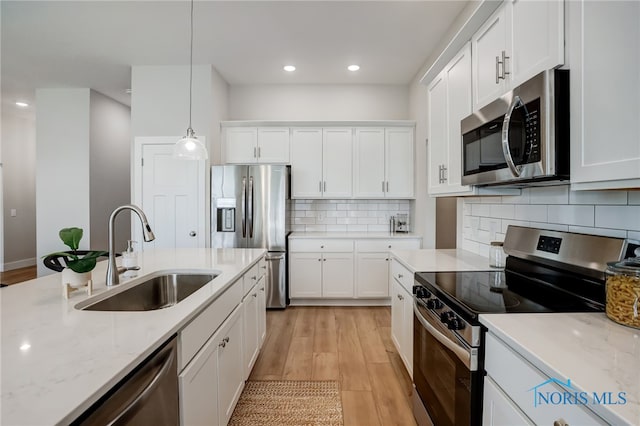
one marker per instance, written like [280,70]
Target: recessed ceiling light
[289,68]
[353,67]
[22,104]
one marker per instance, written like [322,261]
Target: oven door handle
[460,352]
[506,150]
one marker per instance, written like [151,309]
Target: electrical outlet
[320,216]
[14,212]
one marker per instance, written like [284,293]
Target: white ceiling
[95,43]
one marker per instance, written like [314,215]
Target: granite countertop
[355,235]
[436,260]
[57,360]
[597,354]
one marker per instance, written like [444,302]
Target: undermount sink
[155,292]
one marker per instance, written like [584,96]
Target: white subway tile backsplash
[357,228]
[549,195]
[315,228]
[377,228]
[607,213]
[531,212]
[337,213]
[618,217]
[367,221]
[503,211]
[598,197]
[481,210]
[336,228]
[342,206]
[571,215]
[346,221]
[617,233]
[304,220]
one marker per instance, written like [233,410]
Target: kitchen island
[58,360]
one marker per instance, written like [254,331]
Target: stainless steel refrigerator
[249,210]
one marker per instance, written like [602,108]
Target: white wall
[19,169]
[610,213]
[62,167]
[220,112]
[319,102]
[160,100]
[110,168]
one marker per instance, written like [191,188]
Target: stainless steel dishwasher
[147,396]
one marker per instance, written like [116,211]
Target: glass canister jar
[623,291]
[496,254]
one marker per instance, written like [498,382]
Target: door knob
[192,233]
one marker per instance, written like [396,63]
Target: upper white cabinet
[604,54]
[449,97]
[521,39]
[384,163]
[256,145]
[321,163]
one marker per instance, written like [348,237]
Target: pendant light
[189,147]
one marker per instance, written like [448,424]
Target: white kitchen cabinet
[321,275]
[250,312]
[449,97]
[384,163]
[337,164]
[521,39]
[604,54]
[498,409]
[230,365]
[321,163]
[515,376]
[402,323]
[262,312]
[373,265]
[212,382]
[246,145]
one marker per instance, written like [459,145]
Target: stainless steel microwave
[522,137]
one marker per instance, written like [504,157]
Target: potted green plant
[78,263]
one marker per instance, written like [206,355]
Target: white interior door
[172,196]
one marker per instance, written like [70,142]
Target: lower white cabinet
[212,382]
[508,388]
[321,275]
[218,349]
[372,270]
[402,323]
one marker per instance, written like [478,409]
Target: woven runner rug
[287,402]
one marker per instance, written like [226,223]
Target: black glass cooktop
[530,288]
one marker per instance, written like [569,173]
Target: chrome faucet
[113,272]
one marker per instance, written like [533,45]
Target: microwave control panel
[532,131]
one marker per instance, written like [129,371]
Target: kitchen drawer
[518,378]
[321,246]
[250,278]
[262,267]
[386,245]
[196,333]
[402,275]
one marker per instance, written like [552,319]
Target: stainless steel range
[546,271]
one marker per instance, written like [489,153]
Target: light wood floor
[18,275]
[349,344]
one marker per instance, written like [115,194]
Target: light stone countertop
[355,235]
[438,260]
[597,354]
[57,360]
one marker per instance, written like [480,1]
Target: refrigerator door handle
[250,206]
[243,207]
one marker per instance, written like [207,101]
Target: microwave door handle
[243,207]
[506,151]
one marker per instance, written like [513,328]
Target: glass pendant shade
[190,148]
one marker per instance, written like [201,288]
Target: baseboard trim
[340,302]
[10,266]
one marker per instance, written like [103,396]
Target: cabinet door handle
[382,186]
[322,246]
[254,152]
[254,278]
[259,155]
[560,422]
[502,62]
[262,289]
[400,297]
[255,294]
[324,187]
[319,186]
[400,276]
[389,245]
[222,344]
[387,186]
[319,260]
[497,69]
[444,174]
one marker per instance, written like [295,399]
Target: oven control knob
[422,293]
[434,304]
[445,317]
[455,324]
